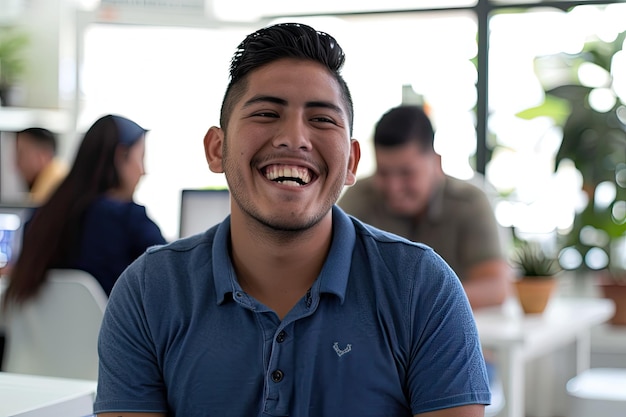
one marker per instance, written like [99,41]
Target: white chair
[599,392]
[56,333]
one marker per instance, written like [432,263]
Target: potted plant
[612,283]
[536,276]
[12,62]
[594,139]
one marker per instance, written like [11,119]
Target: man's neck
[276,267]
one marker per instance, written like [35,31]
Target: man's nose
[294,135]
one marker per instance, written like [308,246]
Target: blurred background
[527,95]
[527,98]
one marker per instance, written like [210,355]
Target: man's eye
[266,114]
[323,119]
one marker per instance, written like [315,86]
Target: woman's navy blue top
[113,234]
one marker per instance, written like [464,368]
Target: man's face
[30,159]
[407,177]
[287,150]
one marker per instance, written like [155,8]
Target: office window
[540,201]
[171,81]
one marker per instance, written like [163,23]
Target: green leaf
[555,108]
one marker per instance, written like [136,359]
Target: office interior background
[164,64]
[480,67]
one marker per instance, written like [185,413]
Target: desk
[517,338]
[36,396]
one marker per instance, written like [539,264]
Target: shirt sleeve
[129,376]
[446,365]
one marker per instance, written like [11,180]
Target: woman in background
[90,222]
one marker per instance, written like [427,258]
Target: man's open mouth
[288,174]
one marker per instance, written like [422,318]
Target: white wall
[39,88]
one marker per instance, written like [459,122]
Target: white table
[36,396]
[517,338]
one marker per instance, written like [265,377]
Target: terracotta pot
[534,294]
[617,293]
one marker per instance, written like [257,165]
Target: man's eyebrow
[266,99]
[283,102]
[324,104]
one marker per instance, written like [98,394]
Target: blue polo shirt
[386,330]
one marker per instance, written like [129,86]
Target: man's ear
[353,161]
[213,141]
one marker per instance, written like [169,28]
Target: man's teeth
[295,176]
[290,182]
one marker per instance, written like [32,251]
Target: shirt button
[280,338]
[277,375]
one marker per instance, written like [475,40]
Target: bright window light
[602,99]
[592,75]
[605,195]
[596,258]
[146,74]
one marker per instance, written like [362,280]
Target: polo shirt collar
[332,279]
[334,275]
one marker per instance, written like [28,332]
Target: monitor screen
[12,219]
[200,209]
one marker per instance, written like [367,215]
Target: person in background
[410,195]
[289,307]
[37,164]
[91,221]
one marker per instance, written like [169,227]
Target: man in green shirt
[410,195]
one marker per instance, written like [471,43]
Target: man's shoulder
[462,185]
[394,261]
[362,189]
[172,267]
[464,190]
[367,233]
[184,246]
[360,199]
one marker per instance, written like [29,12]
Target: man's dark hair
[285,40]
[43,137]
[402,125]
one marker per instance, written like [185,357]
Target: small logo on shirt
[340,352]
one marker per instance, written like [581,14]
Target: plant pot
[616,292]
[534,294]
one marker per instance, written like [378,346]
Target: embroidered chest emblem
[340,352]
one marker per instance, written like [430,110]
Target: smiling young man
[289,307]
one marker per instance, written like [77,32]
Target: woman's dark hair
[52,235]
[285,40]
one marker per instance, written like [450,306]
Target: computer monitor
[202,208]
[12,219]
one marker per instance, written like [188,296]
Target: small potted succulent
[536,272]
